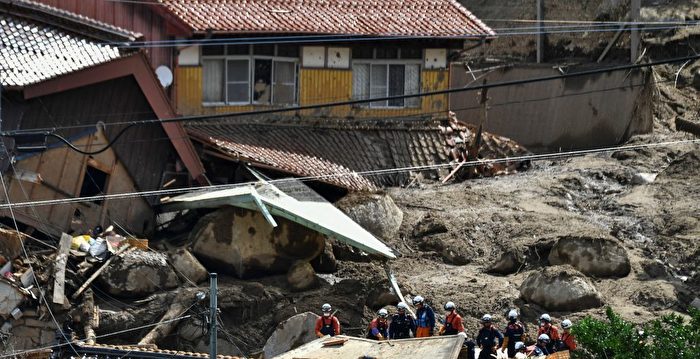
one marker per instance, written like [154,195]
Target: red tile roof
[429,18]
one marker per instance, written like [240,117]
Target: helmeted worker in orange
[546,327]
[379,326]
[568,341]
[453,321]
[327,324]
[425,318]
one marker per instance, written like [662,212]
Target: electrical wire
[532,157]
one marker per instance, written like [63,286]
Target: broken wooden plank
[97,272]
[59,282]
[167,324]
[338,341]
[88,318]
[447,178]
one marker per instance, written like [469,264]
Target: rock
[695,303]
[381,295]
[655,269]
[325,262]
[301,276]
[291,334]
[655,295]
[241,242]
[187,266]
[508,263]
[429,225]
[451,250]
[593,256]
[643,178]
[376,213]
[560,288]
[138,273]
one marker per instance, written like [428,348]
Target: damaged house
[61,74]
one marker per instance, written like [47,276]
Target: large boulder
[376,213]
[598,257]
[138,273]
[291,334]
[187,266]
[301,276]
[326,261]
[560,288]
[241,242]
[508,263]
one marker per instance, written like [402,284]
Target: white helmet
[449,306]
[513,314]
[544,338]
[326,308]
[519,345]
[383,313]
[566,324]
[486,318]
[401,306]
[417,300]
[545,318]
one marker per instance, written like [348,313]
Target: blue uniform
[487,338]
[425,318]
[401,326]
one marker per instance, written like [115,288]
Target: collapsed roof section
[358,155]
[293,201]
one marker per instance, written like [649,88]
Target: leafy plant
[668,337]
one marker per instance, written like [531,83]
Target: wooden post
[540,31]
[59,282]
[167,322]
[88,318]
[634,34]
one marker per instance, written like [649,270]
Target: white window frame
[386,62]
[251,68]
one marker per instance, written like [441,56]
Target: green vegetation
[669,337]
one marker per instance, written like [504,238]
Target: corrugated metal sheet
[316,86]
[355,17]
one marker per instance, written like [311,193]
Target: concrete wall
[580,112]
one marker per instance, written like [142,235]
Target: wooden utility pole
[540,31]
[635,10]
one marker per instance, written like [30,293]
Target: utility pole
[634,34]
[540,31]
[212,315]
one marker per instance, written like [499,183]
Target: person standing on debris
[327,324]
[379,326]
[489,338]
[568,341]
[402,323]
[453,321]
[515,332]
[542,346]
[425,318]
[546,327]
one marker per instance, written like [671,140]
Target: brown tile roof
[39,42]
[147,351]
[431,18]
[337,149]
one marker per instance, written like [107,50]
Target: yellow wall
[315,86]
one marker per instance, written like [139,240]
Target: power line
[230,115]
[532,157]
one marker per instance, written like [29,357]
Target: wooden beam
[125,248]
[612,42]
[167,323]
[59,282]
[88,318]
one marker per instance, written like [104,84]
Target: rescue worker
[515,332]
[379,326]
[542,346]
[453,321]
[425,318]
[489,338]
[328,323]
[402,324]
[546,327]
[520,351]
[568,341]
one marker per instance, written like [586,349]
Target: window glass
[267,50]
[238,49]
[288,50]
[378,84]
[363,52]
[396,84]
[262,81]
[238,87]
[212,50]
[212,80]
[412,85]
[386,52]
[285,80]
[411,53]
[360,81]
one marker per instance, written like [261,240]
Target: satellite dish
[165,76]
